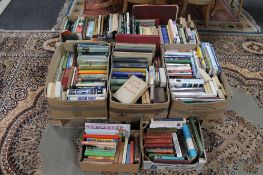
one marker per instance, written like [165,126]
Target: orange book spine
[92,72]
[131,152]
[85,136]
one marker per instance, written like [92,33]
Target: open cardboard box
[209,110]
[63,109]
[147,164]
[120,112]
[121,168]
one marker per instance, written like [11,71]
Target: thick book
[131,90]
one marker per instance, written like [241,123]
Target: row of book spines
[190,133]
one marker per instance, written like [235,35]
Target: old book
[131,90]
[121,152]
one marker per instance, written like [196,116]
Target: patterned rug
[24,58]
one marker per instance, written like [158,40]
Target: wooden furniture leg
[125,6]
[240,7]
[184,8]
[207,14]
[215,8]
[241,2]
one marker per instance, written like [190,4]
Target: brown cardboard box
[147,164]
[60,109]
[121,168]
[211,110]
[134,112]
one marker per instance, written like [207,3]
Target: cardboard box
[120,112]
[121,168]
[149,165]
[60,109]
[211,110]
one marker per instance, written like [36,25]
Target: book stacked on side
[137,76]
[90,78]
[183,32]
[173,141]
[104,27]
[193,75]
[105,143]
[82,76]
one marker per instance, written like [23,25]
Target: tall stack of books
[173,141]
[104,27]
[183,32]
[110,144]
[90,78]
[193,75]
[82,76]
[133,64]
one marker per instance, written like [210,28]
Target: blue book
[189,142]
[128,74]
[194,68]
[128,155]
[165,35]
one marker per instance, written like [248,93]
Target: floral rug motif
[241,58]
[235,143]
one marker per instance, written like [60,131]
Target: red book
[98,136]
[131,152]
[158,145]
[65,79]
[158,136]
[150,141]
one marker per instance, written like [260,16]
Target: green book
[100,153]
[196,135]
[117,82]
[115,88]
[162,130]
[178,61]
[65,60]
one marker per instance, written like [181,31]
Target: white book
[131,90]
[58,89]
[125,150]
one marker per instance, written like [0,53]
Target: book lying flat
[131,90]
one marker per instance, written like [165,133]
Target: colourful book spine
[128,154]
[92,72]
[189,142]
[85,136]
[131,152]
[165,35]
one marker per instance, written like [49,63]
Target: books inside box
[172,142]
[110,144]
[104,27]
[137,75]
[81,75]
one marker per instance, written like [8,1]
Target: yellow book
[92,71]
[142,70]
[169,35]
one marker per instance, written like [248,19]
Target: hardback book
[131,90]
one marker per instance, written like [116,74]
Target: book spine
[189,142]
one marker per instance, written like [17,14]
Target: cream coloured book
[131,91]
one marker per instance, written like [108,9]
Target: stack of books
[110,144]
[82,76]
[183,32]
[104,27]
[90,77]
[193,75]
[134,69]
[173,141]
